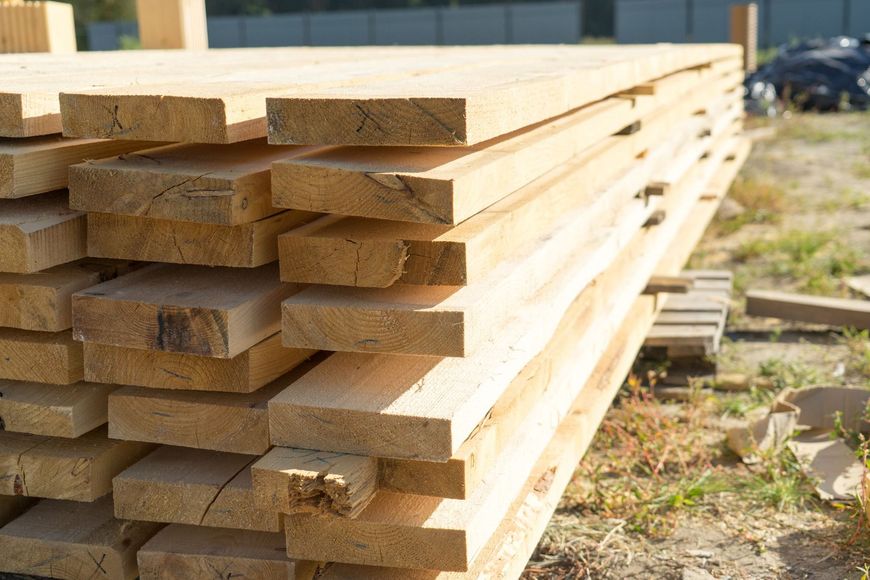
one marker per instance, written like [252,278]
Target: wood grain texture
[79,469]
[40,164]
[229,422]
[37,27]
[215,312]
[302,480]
[509,548]
[805,308]
[179,552]
[172,24]
[378,253]
[40,357]
[397,406]
[69,540]
[244,373]
[464,109]
[39,232]
[223,185]
[53,410]
[42,301]
[157,240]
[192,486]
[449,185]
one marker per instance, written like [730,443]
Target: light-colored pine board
[450,108]
[805,308]
[409,531]
[172,24]
[157,240]
[40,164]
[53,410]
[192,486]
[244,373]
[39,232]
[73,541]
[395,406]
[374,253]
[216,312]
[223,185]
[40,357]
[42,301]
[509,548]
[449,185]
[446,321]
[179,552]
[229,422]
[79,469]
[44,26]
[303,480]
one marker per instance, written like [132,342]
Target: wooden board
[156,240]
[244,373]
[860,284]
[223,185]
[172,24]
[180,552]
[79,469]
[11,506]
[408,531]
[449,185]
[69,540]
[230,422]
[192,486]
[41,357]
[448,321]
[805,308]
[42,301]
[464,109]
[398,407]
[215,312]
[44,26]
[40,164]
[509,548]
[39,232]
[376,253]
[54,410]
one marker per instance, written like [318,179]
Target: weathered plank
[192,486]
[42,301]
[216,184]
[53,410]
[805,308]
[39,232]
[244,373]
[40,164]
[216,312]
[79,469]
[180,552]
[230,422]
[63,539]
[41,357]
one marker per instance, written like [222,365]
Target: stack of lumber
[377,345]
[38,26]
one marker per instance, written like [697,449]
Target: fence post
[744,31]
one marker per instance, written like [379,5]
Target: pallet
[691,325]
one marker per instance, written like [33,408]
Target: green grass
[780,483]
[789,374]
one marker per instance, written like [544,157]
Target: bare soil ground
[659,495]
